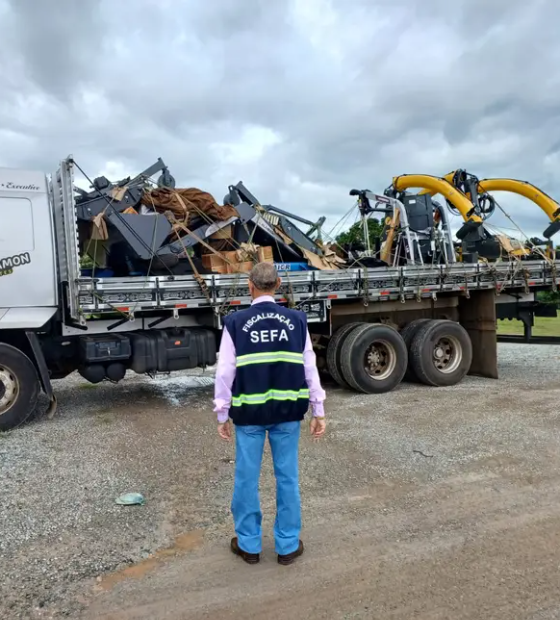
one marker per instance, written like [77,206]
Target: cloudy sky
[300,99]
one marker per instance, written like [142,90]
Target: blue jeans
[245,505]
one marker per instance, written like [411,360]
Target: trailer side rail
[101,295]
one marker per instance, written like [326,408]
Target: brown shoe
[290,557]
[250,558]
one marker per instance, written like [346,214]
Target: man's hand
[318,427]
[224,430]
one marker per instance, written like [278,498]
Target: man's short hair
[264,276]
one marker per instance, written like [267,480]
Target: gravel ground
[65,545]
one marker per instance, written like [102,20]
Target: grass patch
[88,386]
[544,326]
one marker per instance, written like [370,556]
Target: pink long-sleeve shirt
[225,374]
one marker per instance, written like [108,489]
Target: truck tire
[334,350]
[373,358]
[19,387]
[408,332]
[440,353]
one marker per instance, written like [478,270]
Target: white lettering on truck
[8,264]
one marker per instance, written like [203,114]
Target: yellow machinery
[469,197]
[475,239]
[436,185]
[514,186]
[522,188]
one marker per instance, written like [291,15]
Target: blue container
[283,267]
[99,273]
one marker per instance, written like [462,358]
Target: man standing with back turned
[266,379]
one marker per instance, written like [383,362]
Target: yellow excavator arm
[544,201]
[457,186]
[521,188]
[436,185]
[448,177]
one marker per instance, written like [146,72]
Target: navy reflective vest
[269,385]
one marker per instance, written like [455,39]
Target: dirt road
[470,548]
[430,504]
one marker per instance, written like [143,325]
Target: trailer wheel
[334,350]
[408,332]
[19,387]
[374,358]
[441,353]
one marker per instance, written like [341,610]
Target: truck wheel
[19,387]
[408,332]
[334,350]
[374,358]
[441,353]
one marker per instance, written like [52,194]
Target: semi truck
[373,325]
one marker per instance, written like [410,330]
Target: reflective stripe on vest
[268,358]
[260,399]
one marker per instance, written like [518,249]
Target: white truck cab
[28,271]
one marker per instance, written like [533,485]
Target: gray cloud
[301,99]
[53,46]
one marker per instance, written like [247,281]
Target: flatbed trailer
[371,327]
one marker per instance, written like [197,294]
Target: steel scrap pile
[136,226]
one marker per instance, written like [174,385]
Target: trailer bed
[139,294]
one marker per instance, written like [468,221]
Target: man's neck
[259,299]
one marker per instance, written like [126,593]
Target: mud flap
[477,314]
[43,372]
[53,405]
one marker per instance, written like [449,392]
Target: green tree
[549,297]
[355,233]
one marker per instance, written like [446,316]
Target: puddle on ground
[183,544]
[174,389]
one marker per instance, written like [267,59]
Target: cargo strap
[365,287]
[195,236]
[199,279]
[196,275]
